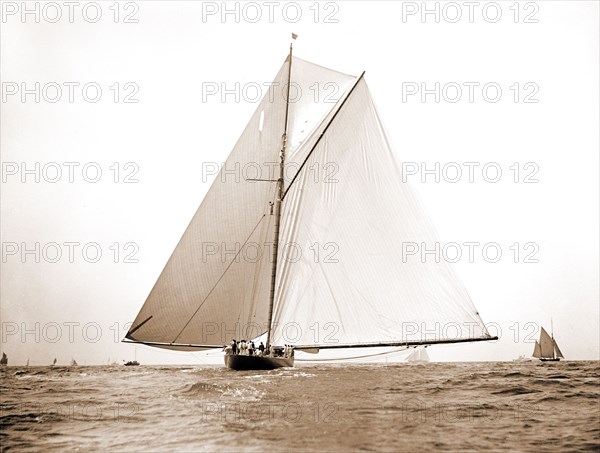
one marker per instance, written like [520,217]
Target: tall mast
[552,335]
[278,198]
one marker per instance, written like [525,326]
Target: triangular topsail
[215,286]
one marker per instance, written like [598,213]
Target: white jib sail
[346,278]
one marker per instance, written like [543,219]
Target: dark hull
[252,362]
[550,359]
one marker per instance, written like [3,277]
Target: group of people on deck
[244,347]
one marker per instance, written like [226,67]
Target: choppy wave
[459,407]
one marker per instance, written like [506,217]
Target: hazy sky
[518,91]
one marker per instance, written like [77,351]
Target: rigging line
[395,343]
[222,275]
[257,270]
[321,136]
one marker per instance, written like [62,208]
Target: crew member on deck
[233,346]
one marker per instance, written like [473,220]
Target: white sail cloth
[215,286]
[347,279]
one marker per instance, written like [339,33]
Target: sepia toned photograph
[316,226]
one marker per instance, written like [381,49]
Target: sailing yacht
[546,349]
[304,246]
[4,359]
[133,362]
[419,355]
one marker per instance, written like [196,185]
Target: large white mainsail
[360,289]
[215,286]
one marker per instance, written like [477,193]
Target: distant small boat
[54,362]
[547,349]
[74,362]
[27,364]
[419,355]
[523,358]
[4,359]
[133,362]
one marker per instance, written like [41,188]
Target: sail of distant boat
[54,362]
[418,355]
[4,359]
[74,362]
[547,348]
[277,249]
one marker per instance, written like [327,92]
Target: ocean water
[508,406]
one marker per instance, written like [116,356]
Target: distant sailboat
[73,362]
[204,300]
[27,364]
[546,349]
[419,355]
[133,362]
[4,359]
[53,362]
